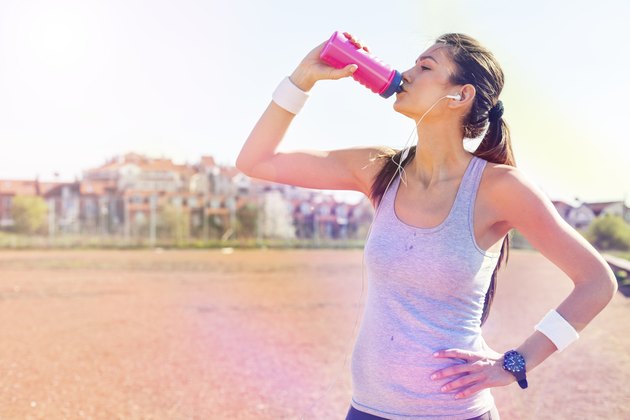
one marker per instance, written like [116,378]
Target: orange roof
[95,187]
[145,163]
[18,187]
[46,188]
[207,161]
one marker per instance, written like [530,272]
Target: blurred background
[121,121]
[143,276]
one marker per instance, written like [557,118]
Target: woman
[439,234]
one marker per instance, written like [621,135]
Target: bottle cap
[395,85]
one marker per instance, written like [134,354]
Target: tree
[609,232]
[174,223]
[28,213]
[247,220]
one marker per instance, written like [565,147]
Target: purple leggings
[354,414]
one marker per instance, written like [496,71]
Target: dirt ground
[253,334]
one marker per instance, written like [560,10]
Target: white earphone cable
[405,153]
[400,170]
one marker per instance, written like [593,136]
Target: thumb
[344,72]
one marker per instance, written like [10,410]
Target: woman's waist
[398,353]
[393,368]
[398,322]
[393,351]
[401,383]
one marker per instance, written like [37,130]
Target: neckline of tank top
[453,204]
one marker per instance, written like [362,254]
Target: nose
[405,78]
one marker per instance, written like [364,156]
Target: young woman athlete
[439,235]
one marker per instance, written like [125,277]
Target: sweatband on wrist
[557,329]
[289,96]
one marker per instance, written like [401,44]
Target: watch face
[513,362]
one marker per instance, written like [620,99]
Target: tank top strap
[467,190]
[387,201]
[466,193]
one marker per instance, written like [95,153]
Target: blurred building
[581,214]
[128,194]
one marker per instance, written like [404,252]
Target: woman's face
[426,82]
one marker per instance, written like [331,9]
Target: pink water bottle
[372,73]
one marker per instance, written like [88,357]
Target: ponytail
[496,147]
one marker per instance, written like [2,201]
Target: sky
[83,81]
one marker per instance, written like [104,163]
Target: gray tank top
[426,291]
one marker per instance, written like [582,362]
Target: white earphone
[457,97]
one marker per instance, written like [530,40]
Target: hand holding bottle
[313,68]
[342,56]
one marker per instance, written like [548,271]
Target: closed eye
[424,68]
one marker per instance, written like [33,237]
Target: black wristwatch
[514,362]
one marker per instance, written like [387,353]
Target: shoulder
[374,159]
[499,176]
[526,208]
[365,162]
[516,198]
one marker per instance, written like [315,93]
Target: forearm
[264,138]
[270,129]
[272,126]
[579,308]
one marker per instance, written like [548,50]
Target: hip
[354,414]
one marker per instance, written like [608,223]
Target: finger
[471,390]
[465,380]
[344,72]
[455,370]
[457,353]
[354,41]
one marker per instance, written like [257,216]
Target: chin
[401,110]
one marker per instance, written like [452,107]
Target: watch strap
[520,376]
[522,379]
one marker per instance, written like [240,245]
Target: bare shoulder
[516,197]
[371,162]
[522,205]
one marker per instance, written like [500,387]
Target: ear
[467,92]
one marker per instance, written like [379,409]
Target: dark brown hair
[477,66]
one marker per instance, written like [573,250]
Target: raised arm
[346,169]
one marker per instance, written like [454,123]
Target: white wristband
[289,96]
[557,329]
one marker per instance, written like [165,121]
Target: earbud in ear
[457,97]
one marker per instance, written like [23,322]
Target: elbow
[240,165]
[611,282]
[615,287]
[600,286]
[252,165]
[243,165]
[607,286]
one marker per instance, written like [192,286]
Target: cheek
[403,106]
[408,99]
